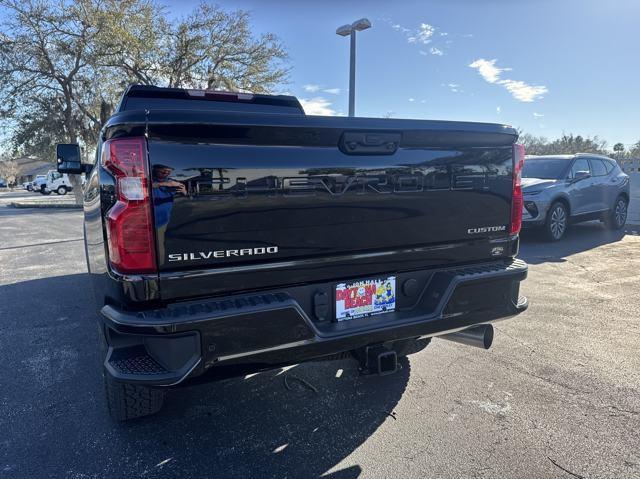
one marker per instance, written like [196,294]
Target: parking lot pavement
[24,199]
[7,195]
[559,391]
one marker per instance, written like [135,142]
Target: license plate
[364,298]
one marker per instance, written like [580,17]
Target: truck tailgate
[266,189]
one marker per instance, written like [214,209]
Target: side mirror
[68,159]
[581,175]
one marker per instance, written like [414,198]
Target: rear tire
[557,222]
[130,401]
[617,216]
[124,400]
[61,190]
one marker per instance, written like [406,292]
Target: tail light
[517,201]
[129,222]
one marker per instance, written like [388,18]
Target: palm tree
[619,149]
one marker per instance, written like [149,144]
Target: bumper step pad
[136,361]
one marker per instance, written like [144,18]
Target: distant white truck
[55,182]
[38,183]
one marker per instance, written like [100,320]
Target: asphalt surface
[558,395]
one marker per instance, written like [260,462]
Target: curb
[69,206]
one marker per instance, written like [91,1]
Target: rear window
[141,97]
[137,103]
[598,168]
[545,168]
[609,165]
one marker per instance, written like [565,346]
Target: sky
[547,67]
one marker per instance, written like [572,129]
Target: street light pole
[352,75]
[351,30]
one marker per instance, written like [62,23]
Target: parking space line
[41,244]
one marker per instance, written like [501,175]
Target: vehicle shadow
[535,249]
[56,424]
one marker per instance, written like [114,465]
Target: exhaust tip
[478,336]
[487,337]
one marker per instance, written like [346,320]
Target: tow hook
[378,360]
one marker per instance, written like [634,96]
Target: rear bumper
[223,337]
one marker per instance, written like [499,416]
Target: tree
[209,48]
[9,171]
[50,64]
[634,151]
[534,145]
[565,145]
[64,63]
[214,49]
[618,148]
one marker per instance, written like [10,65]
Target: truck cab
[38,183]
[56,182]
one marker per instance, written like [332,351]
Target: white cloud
[422,35]
[454,87]
[498,110]
[436,51]
[537,115]
[412,99]
[488,69]
[311,88]
[523,91]
[400,28]
[317,106]
[425,33]
[520,90]
[333,91]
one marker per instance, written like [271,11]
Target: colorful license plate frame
[364,298]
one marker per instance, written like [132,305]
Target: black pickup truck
[230,233]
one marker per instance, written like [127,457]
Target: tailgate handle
[369,143]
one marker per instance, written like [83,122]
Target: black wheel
[557,222]
[61,190]
[130,401]
[617,217]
